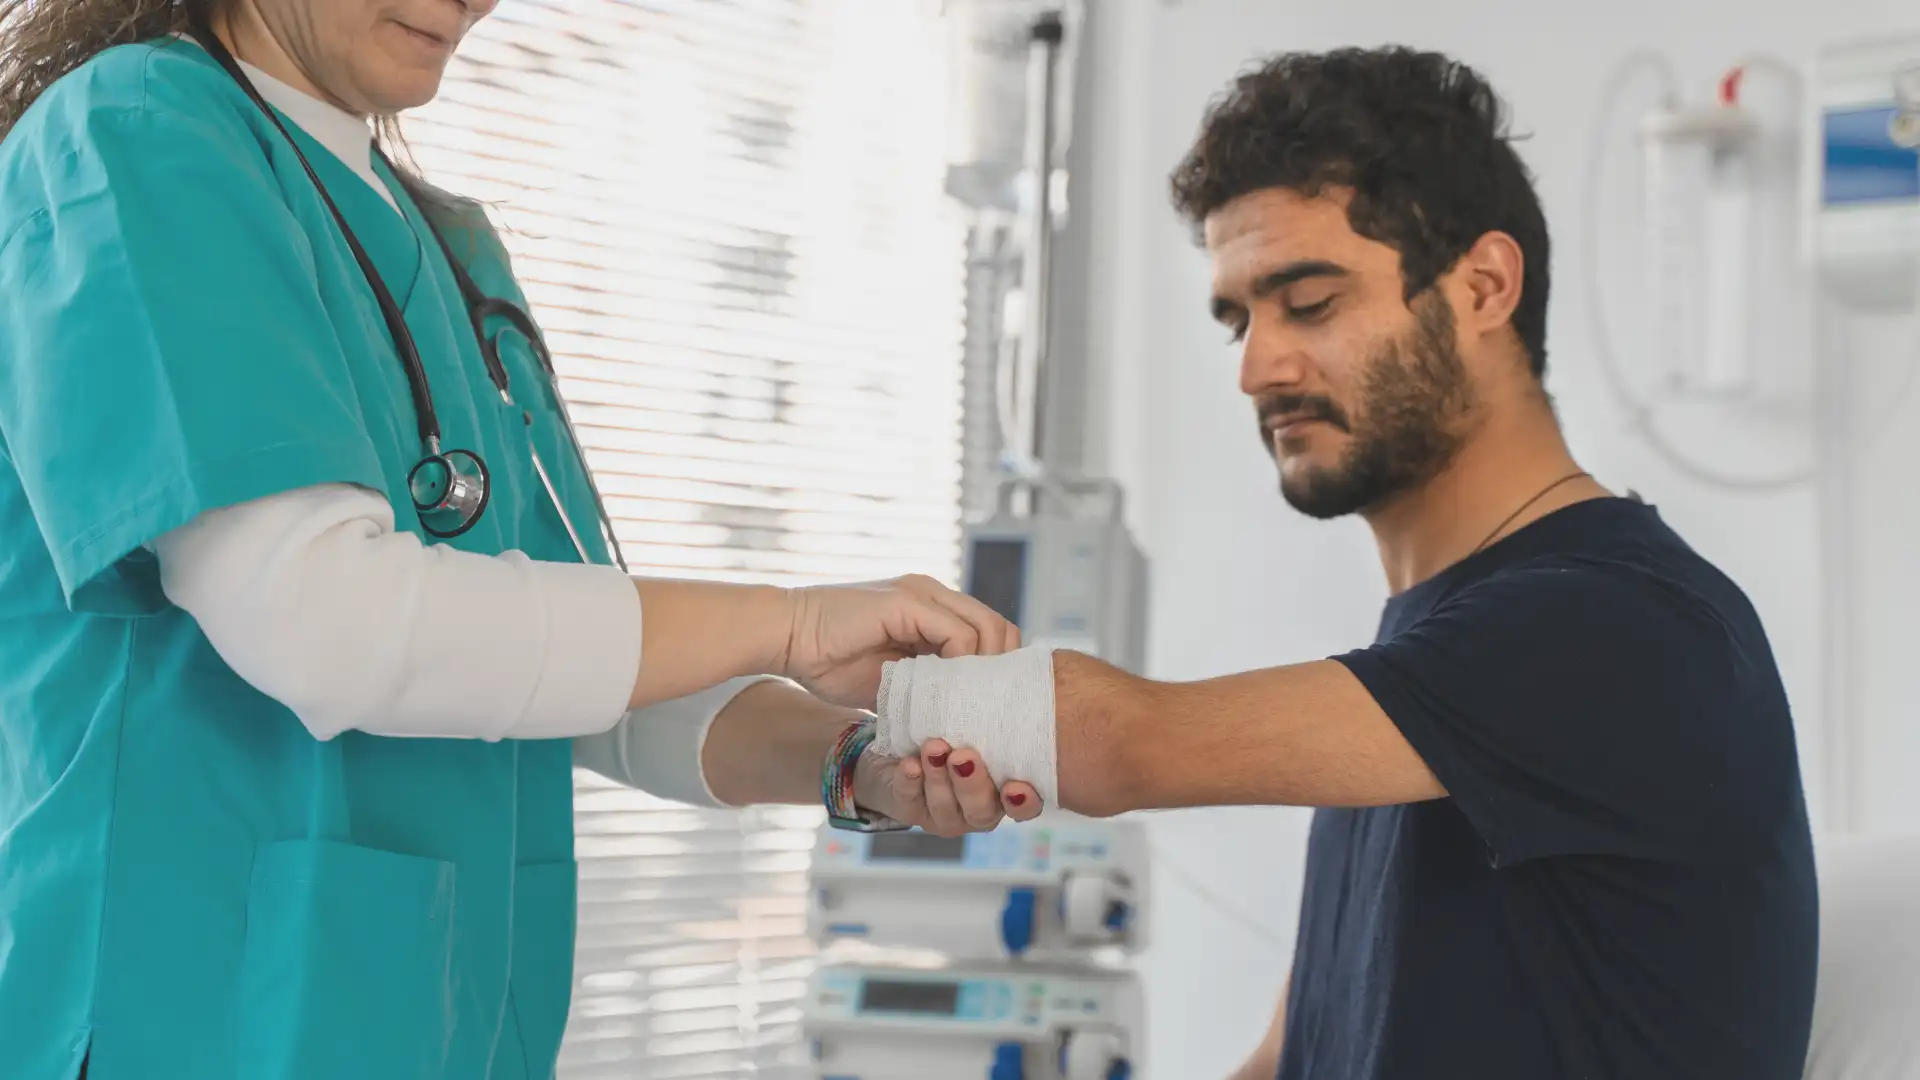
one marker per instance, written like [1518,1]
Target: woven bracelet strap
[836,782]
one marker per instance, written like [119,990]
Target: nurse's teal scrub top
[192,887]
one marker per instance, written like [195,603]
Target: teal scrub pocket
[348,965]
[544,911]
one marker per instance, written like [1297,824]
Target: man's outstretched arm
[1301,735]
[1562,708]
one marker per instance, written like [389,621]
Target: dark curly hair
[41,41]
[1421,140]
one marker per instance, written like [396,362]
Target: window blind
[729,220]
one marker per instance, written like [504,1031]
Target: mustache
[1274,408]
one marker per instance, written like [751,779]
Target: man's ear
[1486,283]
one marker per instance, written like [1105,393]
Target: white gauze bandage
[1000,707]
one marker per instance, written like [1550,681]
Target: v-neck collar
[339,146]
[339,132]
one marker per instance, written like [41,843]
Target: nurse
[306,611]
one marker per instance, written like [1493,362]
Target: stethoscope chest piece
[450,491]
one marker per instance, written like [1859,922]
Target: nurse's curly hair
[1421,141]
[42,41]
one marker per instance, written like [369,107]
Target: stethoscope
[450,489]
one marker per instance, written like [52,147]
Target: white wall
[1241,582]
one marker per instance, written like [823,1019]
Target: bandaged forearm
[1000,707]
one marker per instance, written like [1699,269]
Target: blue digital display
[1863,164]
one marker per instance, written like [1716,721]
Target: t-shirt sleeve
[163,348]
[1568,709]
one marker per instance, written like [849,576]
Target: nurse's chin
[402,88]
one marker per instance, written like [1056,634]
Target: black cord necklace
[1537,496]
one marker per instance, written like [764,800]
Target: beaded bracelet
[836,782]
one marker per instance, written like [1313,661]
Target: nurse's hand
[943,791]
[840,635]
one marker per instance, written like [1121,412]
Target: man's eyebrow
[1273,281]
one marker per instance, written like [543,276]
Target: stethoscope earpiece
[449,491]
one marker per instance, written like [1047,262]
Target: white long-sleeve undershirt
[313,598]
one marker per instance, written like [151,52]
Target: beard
[1412,393]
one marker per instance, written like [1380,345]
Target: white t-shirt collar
[339,132]
[344,135]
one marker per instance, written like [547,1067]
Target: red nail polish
[938,761]
[1016,799]
[964,769]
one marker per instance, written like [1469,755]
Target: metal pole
[1044,42]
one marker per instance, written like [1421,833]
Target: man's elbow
[1261,1066]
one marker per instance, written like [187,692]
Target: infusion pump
[973,1023]
[1051,888]
[1066,581]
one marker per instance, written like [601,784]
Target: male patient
[1562,831]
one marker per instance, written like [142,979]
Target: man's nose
[1270,361]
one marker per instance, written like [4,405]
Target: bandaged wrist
[1000,707]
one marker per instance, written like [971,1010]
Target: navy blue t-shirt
[1620,883]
